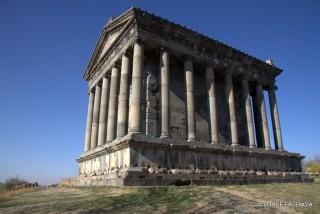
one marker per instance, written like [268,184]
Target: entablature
[157,33]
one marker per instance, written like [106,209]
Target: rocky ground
[183,199]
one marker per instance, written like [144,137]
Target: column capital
[218,63]
[126,53]
[228,72]
[164,56]
[210,63]
[106,75]
[164,49]
[244,77]
[240,70]
[235,67]
[259,85]
[99,83]
[272,87]
[91,90]
[138,40]
[188,64]
[256,80]
[187,58]
[116,65]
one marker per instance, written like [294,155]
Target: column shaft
[248,111]
[263,118]
[103,117]
[165,99]
[95,120]
[113,101]
[232,110]
[135,100]
[212,104]
[188,67]
[275,120]
[89,122]
[123,97]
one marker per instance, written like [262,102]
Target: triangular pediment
[111,34]
[111,37]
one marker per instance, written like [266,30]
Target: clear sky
[45,47]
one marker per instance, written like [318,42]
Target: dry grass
[184,199]
[9,194]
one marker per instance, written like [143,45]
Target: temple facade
[169,105]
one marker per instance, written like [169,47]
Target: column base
[214,142]
[164,136]
[134,132]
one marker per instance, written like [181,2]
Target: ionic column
[232,110]
[165,99]
[95,119]
[135,100]
[123,97]
[103,117]
[275,118]
[248,111]
[210,82]
[113,101]
[89,122]
[188,67]
[263,117]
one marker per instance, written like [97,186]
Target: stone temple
[168,105]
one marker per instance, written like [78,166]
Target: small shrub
[12,183]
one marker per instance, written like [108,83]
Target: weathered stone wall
[142,160]
[180,157]
[157,153]
[151,106]
[102,164]
[241,117]
[201,107]
[178,118]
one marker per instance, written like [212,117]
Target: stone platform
[139,160]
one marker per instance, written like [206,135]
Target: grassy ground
[183,199]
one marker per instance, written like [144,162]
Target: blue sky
[45,47]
